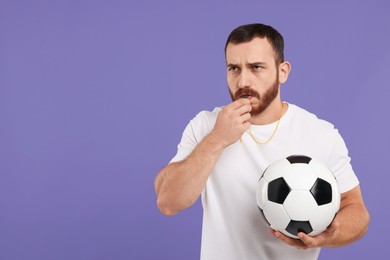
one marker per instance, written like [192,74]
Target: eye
[233,68]
[257,67]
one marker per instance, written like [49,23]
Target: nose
[244,79]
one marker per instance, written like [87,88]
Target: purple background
[94,96]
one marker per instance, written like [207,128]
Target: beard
[265,99]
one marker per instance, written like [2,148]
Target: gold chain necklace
[273,134]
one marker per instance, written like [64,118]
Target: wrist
[216,141]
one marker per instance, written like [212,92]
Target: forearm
[353,220]
[179,184]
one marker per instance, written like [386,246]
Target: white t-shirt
[233,227]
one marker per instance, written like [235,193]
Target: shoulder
[206,118]
[309,120]
[202,123]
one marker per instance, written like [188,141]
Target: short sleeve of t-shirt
[340,164]
[194,132]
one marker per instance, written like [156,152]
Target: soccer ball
[298,194]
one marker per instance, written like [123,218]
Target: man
[223,153]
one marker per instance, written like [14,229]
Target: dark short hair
[246,33]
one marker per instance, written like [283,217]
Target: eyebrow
[231,65]
[257,63]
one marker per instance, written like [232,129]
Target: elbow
[165,207]
[169,206]
[367,222]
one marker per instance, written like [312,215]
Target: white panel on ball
[322,217]
[261,193]
[336,200]
[304,181]
[303,210]
[276,170]
[322,172]
[276,212]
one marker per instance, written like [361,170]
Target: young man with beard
[223,153]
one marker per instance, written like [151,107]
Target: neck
[272,114]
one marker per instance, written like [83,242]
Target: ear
[284,71]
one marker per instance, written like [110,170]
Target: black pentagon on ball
[299,159]
[322,192]
[278,190]
[294,227]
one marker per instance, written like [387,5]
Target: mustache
[246,91]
